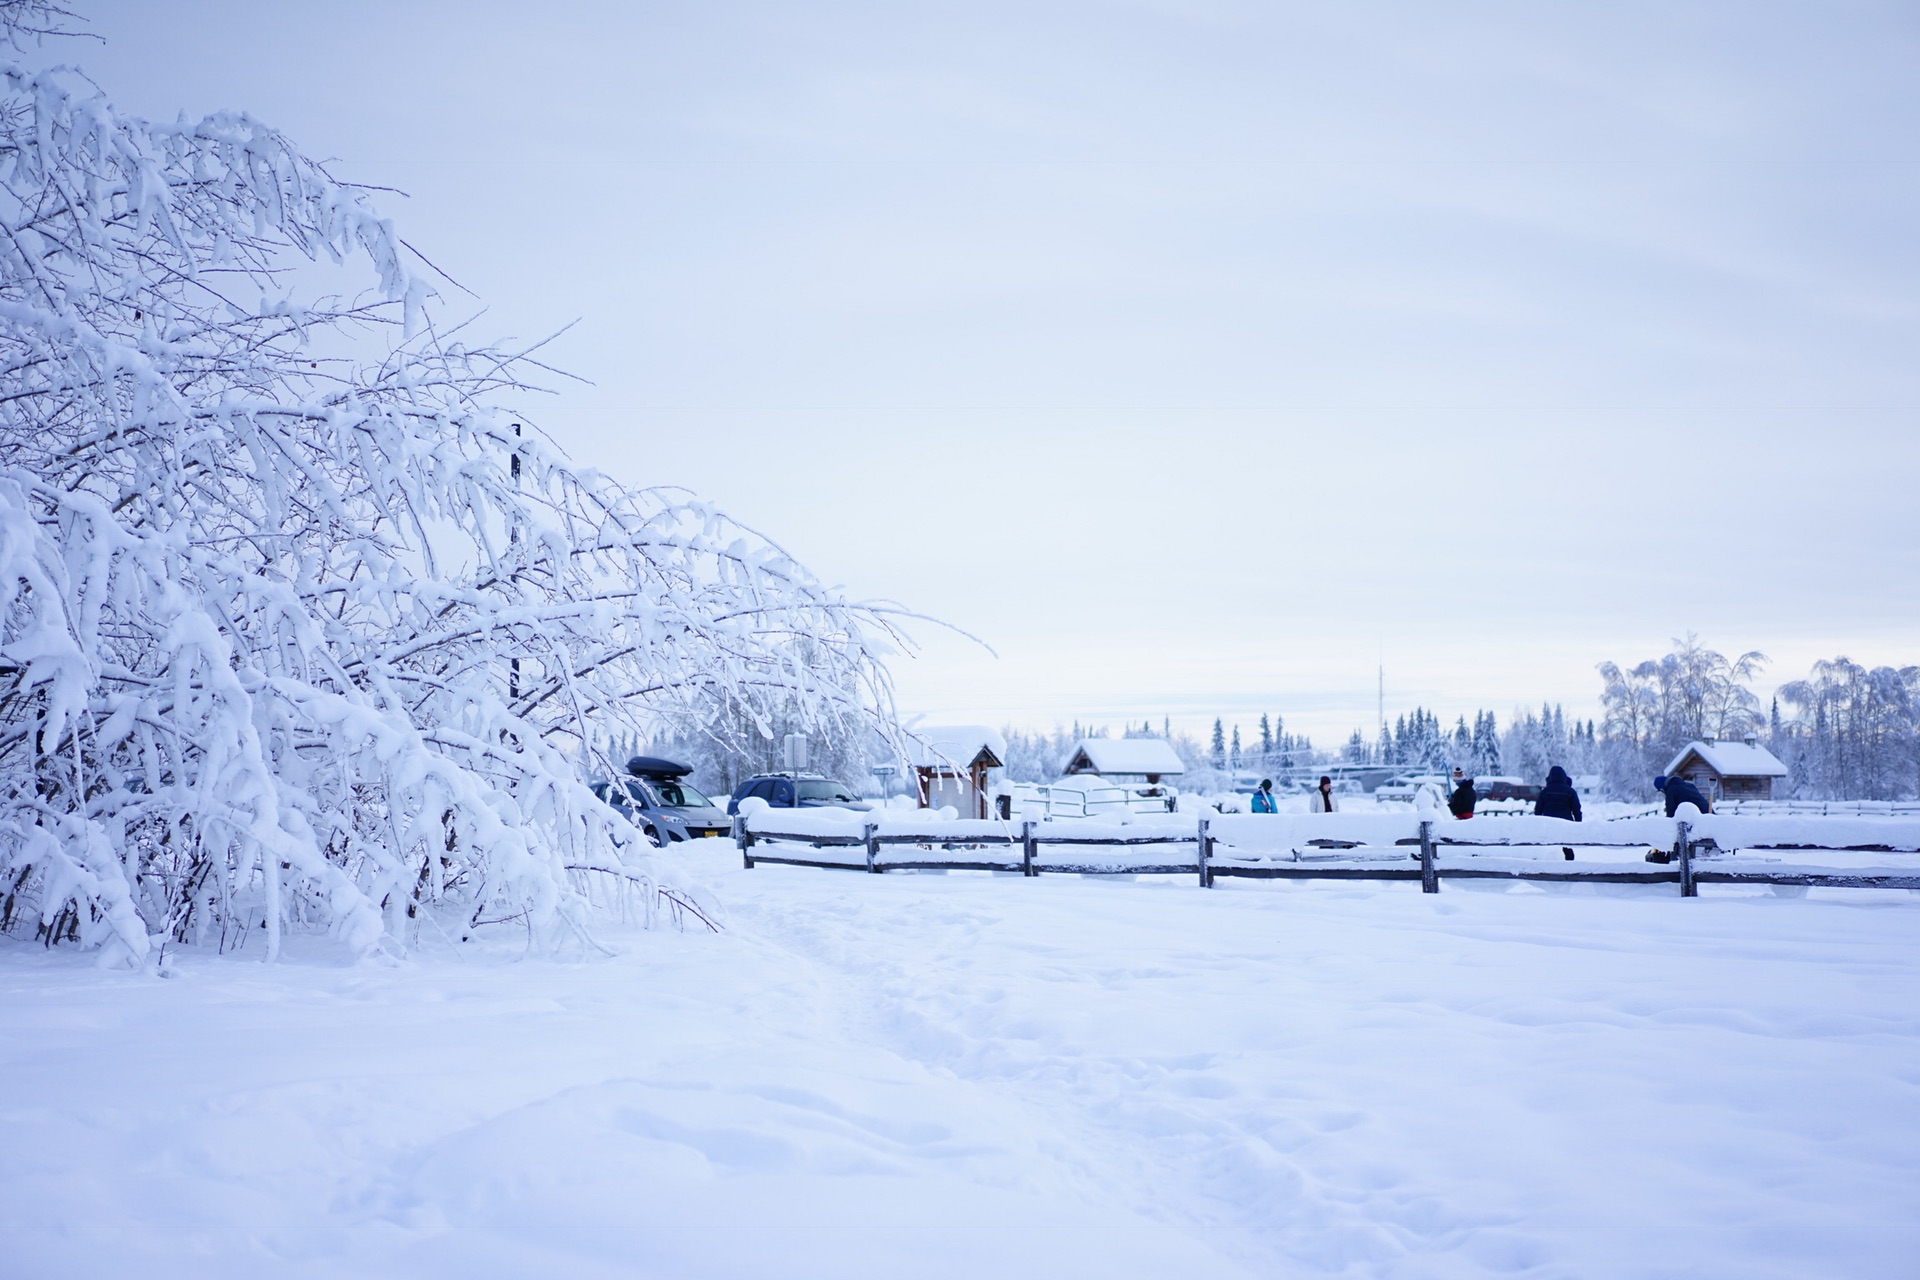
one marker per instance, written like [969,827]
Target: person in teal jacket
[1263,798]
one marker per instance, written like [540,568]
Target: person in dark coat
[1678,792]
[1263,798]
[1460,803]
[1558,799]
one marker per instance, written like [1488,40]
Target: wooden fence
[1825,853]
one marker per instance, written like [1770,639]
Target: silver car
[656,797]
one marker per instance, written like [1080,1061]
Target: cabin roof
[1125,755]
[957,746]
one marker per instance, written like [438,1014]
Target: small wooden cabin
[1724,769]
[1126,760]
[950,766]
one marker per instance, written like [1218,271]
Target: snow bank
[949,1078]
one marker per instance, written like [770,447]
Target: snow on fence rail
[1784,850]
[1824,808]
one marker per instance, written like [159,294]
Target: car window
[821,789]
[782,792]
[678,795]
[762,789]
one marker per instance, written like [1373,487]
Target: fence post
[1205,842]
[1026,848]
[1683,851]
[743,838]
[1429,878]
[873,847]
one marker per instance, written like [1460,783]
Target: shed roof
[1125,755]
[947,746]
[1733,759]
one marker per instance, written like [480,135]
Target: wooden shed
[950,766]
[1124,760]
[1725,769]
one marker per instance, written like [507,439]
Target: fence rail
[1031,800]
[1865,853]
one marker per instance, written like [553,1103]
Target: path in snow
[922,1075]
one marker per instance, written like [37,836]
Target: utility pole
[1381,740]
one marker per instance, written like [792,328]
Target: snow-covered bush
[296,629]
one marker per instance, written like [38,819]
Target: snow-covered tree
[1484,758]
[1355,752]
[1656,708]
[298,628]
[1855,734]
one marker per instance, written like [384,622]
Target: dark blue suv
[795,791]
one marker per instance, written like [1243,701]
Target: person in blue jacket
[1558,799]
[1678,792]
[1263,798]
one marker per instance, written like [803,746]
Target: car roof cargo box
[655,767]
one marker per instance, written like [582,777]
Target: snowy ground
[973,1076]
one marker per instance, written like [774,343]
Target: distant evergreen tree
[1233,760]
[1219,744]
[1486,744]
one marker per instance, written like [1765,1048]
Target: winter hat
[1660,783]
[1266,784]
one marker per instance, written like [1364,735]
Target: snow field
[971,1075]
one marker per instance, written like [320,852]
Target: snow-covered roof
[1733,759]
[948,746]
[1125,755]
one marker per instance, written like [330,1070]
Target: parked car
[656,797]
[795,791]
[1503,788]
[1406,787]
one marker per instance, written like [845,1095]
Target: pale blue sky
[1198,356]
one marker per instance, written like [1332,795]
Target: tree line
[1845,732]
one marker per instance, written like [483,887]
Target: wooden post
[1429,878]
[743,838]
[1206,854]
[873,847]
[1683,854]
[1027,850]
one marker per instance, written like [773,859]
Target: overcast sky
[1199,357]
